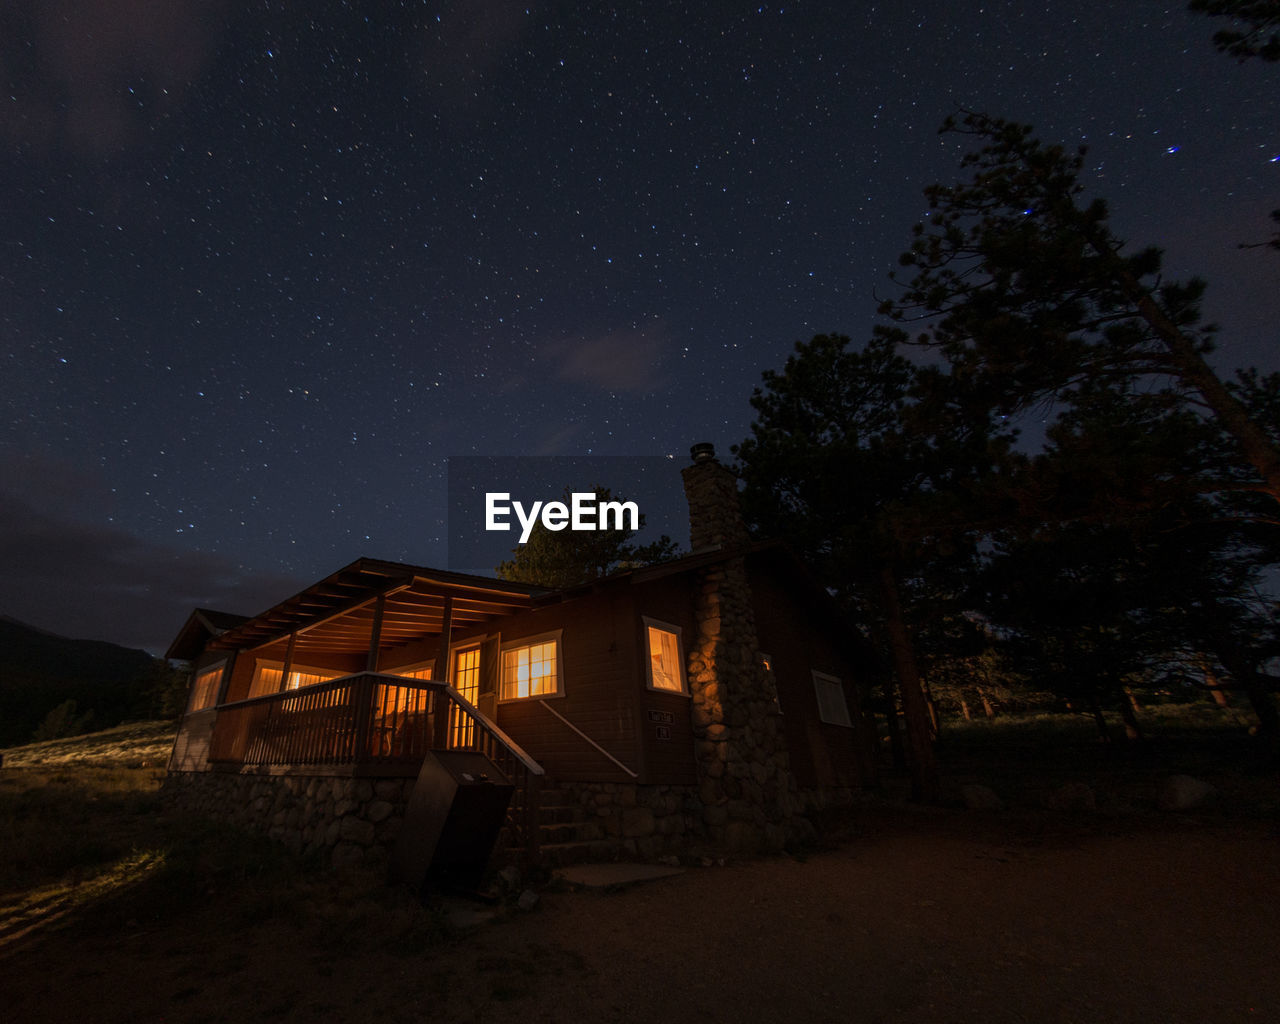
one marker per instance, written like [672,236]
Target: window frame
[824,706]
[218,666]
[666,627]
[269,663]
[552,636]
[413,666]
[461,731]
[455,651]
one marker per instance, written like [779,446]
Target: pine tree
[1255,27]
[1026,291]
[565,558]
[873,468]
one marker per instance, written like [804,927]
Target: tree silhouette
[874,469]
[1256,33]
[1026,291]
[1255,30]
[565,558]
[1129,560]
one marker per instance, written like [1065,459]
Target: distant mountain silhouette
[40,670]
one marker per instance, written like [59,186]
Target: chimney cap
[703,451]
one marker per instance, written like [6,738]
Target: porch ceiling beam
[464,592]
[415,607]
[412,599]
[337,613]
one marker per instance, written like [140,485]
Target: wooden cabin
[709,701]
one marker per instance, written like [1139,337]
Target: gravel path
[926,916]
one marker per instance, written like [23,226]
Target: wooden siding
[247,661]
[191,746]
[821,754]
[666,727]
[604,694]
[599,697]
[413,653]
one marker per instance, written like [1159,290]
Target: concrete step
[551,797]
[558,855]
[557,815]
[549,815]
[570,832]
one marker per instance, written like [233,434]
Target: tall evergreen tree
[872,467]
[1129,559]
[1254,31]
[566,558]
[1026,290]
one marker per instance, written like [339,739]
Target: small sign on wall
[664,732]
[661,717]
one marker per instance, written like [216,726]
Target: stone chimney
[744,770]
[715,517]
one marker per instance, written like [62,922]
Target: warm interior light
[664,659]
[529,671]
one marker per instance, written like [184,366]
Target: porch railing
[369,720]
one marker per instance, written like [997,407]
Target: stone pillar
[744,772]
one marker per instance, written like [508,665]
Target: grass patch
[86,840]
[132,745]
[94,848]
[1164,718]
[69,821]
[37,909]
[1026,756]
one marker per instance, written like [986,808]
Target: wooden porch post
[228,670]
[362,691]
[375,634]
[440,725]
[288,662]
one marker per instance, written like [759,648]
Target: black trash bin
[458,807]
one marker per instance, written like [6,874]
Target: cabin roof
[201,625]
[335,615]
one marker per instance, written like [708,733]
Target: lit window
[420,671]
[466,680]
[832,707]
[531,667]
[204,688]
[392,699]
[301,677]
[665,665]
[466,673]
[267,677]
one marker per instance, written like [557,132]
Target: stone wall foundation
[345,820]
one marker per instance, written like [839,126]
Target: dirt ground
[917,915]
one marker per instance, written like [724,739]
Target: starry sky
[266,266]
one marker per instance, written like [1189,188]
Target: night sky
[264,267]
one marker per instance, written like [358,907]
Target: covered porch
[371,724]
[353,678]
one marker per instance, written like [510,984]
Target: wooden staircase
[565,833]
